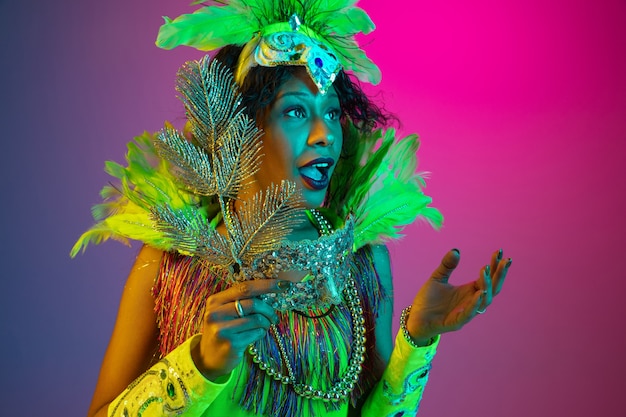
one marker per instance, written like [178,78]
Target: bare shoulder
[142,277]
[148,257]
[133,346]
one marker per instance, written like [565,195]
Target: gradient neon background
[521,107]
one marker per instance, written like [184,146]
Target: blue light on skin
[301,126]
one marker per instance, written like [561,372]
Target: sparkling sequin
[294,22]
[326,260]
[171,391]
[413,382]
[155,389]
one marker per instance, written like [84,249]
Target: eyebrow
[305,95]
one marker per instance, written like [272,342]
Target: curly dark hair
[261,86]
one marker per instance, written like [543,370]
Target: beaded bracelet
[405,331]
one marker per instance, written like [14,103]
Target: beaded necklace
[340,389]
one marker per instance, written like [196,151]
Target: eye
[333,114]
[297,112]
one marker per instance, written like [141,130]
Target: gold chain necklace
[339,390]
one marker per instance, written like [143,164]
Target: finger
[496,257]
[249,337]
[253,321]
[252,306]
[248,306]
[249,330]
[448,264]
[500,275]
[231,329]
[249,289]
[487,288]
[241,333]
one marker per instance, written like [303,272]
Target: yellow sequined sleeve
[172,387]
[399,391]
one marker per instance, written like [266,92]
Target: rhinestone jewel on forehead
[326,260]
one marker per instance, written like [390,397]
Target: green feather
[207,29]
[125,212]
[114,169]
[354,59]
[133,224]
[376,180]
[351,21]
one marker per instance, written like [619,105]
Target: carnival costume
[178,186]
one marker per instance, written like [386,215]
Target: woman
[264,287]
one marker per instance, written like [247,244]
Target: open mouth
[315,174]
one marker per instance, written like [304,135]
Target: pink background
[521,108]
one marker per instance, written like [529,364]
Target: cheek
[278,152]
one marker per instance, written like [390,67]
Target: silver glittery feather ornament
[220,160]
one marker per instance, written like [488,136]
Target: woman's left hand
[440,307]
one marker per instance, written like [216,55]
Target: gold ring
[239,308]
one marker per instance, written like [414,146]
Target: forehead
[301,84]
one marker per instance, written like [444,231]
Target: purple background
[522,113]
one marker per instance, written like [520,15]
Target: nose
[320,134]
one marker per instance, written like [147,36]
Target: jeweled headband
[316,34]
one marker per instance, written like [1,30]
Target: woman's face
[303,138]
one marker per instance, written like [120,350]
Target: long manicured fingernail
[456,250]
[284,285]
[509,262]
[487,269]
[499,255]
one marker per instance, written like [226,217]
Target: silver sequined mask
[326,261]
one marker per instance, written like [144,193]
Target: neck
[306,228]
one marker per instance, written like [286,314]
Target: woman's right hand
[225,333]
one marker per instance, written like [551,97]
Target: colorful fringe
[186,283]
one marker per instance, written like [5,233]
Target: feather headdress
[317,34]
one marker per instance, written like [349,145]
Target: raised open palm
[441,307]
